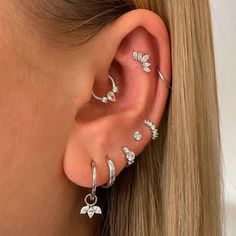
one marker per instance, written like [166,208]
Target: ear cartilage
[154,130]
[130,155]
[110,96]
[143,59]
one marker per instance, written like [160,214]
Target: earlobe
[135,48]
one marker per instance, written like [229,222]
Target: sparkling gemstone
[140,55]
[104,99]
[111,96]
[145,58]
[137,136]
[146,69]
[131,156]
[135,55]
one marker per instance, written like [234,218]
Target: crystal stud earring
[110,95]
[143,59]
[137,136]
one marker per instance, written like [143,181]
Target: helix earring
[112,174]
[143,59]
[164,80]
[110,95]
[90,208]
[154,130]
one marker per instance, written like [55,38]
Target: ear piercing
[143,59]
[154,130]
[130,155]
[161,77]
[137,136]
[90,208]
[112,174]
[110,95]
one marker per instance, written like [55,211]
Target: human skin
[45,152]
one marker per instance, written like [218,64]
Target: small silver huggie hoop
[161,77]
[90,207]
[110,95]
[112,174]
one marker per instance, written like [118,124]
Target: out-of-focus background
[224,27]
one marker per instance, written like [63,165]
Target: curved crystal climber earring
[110,95]
[90,207]
[153,129]
[130,155]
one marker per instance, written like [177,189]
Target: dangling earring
[110,95]
[90,208]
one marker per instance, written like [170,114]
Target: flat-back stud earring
[137,136]
[110,95]
[143,59]
[90,207]
[130,155]
[154,130]
[112,174]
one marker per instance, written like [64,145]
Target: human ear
[102,129]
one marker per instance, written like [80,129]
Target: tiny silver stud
[137,136]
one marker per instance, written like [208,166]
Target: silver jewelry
[112,174]
[143,59]
[110,95]
[154,130]
[130,156]
[137,136]
[161,77]
[90,208]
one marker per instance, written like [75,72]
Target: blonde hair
[175,187]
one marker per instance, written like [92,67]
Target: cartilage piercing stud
[137,136]
[154,130]
[130,155]
[110,95]
[143,59]
[91,199]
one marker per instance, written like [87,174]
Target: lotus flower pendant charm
[90,209]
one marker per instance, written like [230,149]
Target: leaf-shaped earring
[90,207]
[143,59]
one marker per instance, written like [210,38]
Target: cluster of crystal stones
[155,132]
[143,59]
[110,95]
[130,156]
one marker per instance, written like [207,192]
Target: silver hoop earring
[90,207]
[143,59]
[112,174]
[161,77]
[154,130]
[130,155]
[110,95]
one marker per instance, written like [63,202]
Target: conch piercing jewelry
[110,95]
[130,156]
[112,174]
[164,80]
[137,136]
[90,207]
[143,59]
[154,130]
